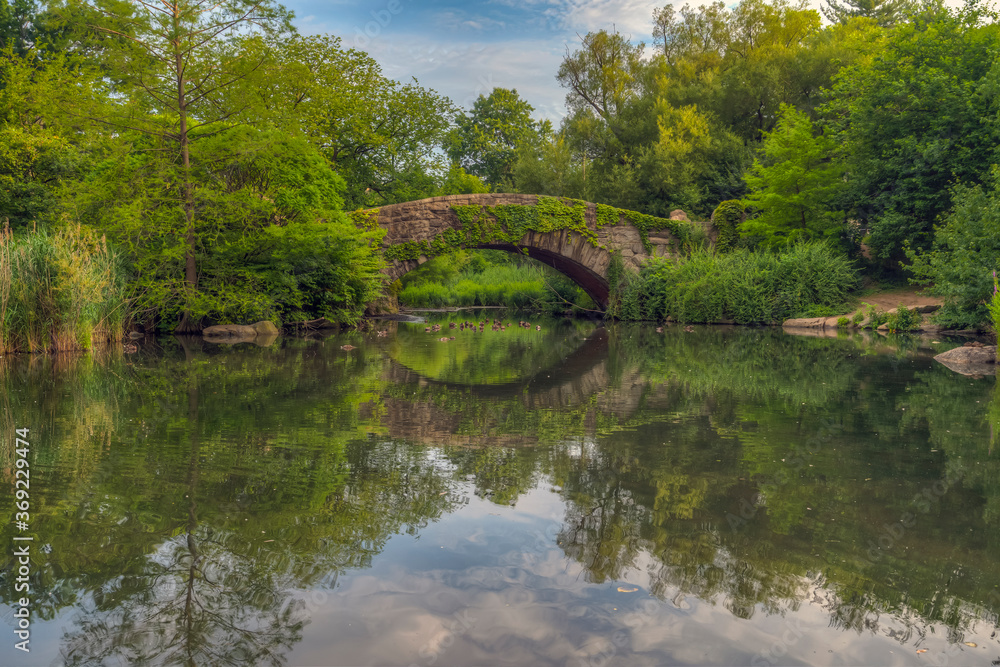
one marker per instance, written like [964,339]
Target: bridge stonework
[566,250]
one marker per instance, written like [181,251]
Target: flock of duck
[495,325]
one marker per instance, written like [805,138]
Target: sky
[465,49]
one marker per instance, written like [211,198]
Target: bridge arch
[572,236]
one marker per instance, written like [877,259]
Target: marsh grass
[59,291]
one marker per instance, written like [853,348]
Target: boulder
[678,214]
[230,331]
[805,323]
[265,328]
[970,360]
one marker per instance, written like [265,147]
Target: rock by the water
[970,360]
[230,331]
[805,323]
[265,328]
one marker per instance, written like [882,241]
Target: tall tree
[486,140]
[794,188]
[173,63]
[381,135]
[885,13]
[912,123]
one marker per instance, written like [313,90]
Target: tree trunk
[187,323]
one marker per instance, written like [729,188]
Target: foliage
[486,140]
[744,286]
[58,292]
[486,279]
[966,250]
[903,160]
[274,242]
[903,319]
[994,307]
[885,13]
[793,189]
[548,168]
[727,217]
[381,136]
[175,68]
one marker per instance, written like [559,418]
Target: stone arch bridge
[574,237]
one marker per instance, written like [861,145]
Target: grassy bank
[490,278]
[59,291]
[744,286]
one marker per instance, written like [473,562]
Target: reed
[59,291]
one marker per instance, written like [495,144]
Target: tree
[911,124]
[793,188]
[885,13]
[486,140]
[549,168]
[960,265]
[173,64]
[382,136]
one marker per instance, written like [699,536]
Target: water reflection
[620,496]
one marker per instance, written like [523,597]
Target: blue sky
[464,49]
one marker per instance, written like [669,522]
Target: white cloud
[465,70]
[459,20]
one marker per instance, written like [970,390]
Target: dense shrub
[59,291]
[743,285]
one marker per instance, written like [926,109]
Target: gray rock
[230,331]
[968,357]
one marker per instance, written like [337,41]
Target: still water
[578,495]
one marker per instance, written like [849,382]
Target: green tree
[549,168]
[795,185]
[382,136]
[274,242]
[911,122]
[485,140]
[885,13]
[174,65]
[959,266]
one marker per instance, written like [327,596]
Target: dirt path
[907,296]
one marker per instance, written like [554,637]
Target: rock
[678,214]
[830,323]
[230,331]
[265,328]
[929,308]
[805,323]
[883,327]
[968,356]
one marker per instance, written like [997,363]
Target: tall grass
[744,286]
[516,286]
[59,291]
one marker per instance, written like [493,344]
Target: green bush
[727,218]
[966,249]
[903,319]
[744,286]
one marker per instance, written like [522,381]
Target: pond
[580,494]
